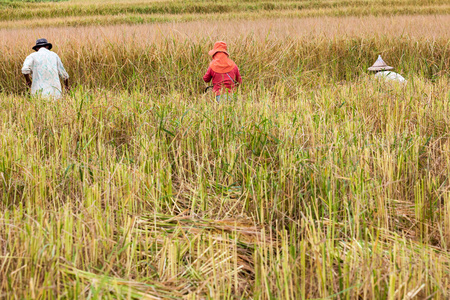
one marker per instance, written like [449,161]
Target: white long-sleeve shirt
[390,76]
[45,68]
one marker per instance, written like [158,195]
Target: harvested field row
[422,26]
[70,14]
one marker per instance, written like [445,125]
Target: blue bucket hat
[42,43]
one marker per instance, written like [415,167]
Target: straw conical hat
[380,65]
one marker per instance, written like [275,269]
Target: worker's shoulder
[44,53]
[32,55]
[51,53]
[235,69]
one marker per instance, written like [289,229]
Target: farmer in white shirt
[45,67]
[382,71]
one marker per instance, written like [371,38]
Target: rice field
[317,182]
[27,14]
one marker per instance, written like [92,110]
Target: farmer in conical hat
[45,67]
[382,70]
[223,72]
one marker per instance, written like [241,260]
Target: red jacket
[222,82]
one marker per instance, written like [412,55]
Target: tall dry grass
[426,27]
[174,57]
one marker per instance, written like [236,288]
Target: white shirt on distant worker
[45,68]
[390,76]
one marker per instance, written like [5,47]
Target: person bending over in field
[382,71]
[45,67]
[223,72]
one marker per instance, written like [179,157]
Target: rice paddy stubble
[314,195]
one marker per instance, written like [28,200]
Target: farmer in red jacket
[223,72]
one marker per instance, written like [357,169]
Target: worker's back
[45,67]
[390,76]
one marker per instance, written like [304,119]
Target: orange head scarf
[221,63]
